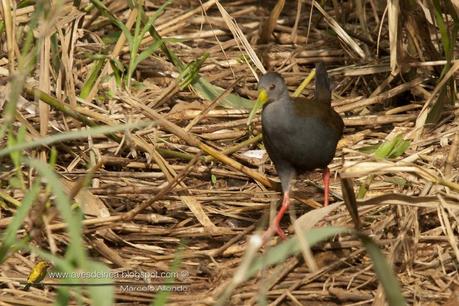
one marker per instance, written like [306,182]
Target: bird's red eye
[272,86]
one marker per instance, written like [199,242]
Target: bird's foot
[274,228]
[280,232]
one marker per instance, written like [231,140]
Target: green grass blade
[9,236]
[17,156]
[392,148]
[383,272]
[145,54]
[106,12]
[363,189]
[71,218]
[447,38]
[400,148]
[153,18]
[12,141]
[444,34]
[87,132]
[201,86]
[384,149]
[207,91]
[162,296]
[100,295]
[118,71]
[191,72]
[91,80]
[291,247]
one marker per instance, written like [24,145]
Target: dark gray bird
[299,134]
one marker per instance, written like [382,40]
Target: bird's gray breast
[306,143]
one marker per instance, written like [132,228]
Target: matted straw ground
[210,214]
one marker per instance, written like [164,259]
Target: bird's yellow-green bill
[262,98]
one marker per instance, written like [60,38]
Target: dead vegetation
[171,184]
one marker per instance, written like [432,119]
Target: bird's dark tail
[323,92]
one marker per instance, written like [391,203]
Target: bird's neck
[283,96]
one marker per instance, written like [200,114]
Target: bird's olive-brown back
[301,133]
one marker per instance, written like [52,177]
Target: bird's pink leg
[275,226]
[326,180]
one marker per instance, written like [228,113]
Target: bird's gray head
[272,87]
